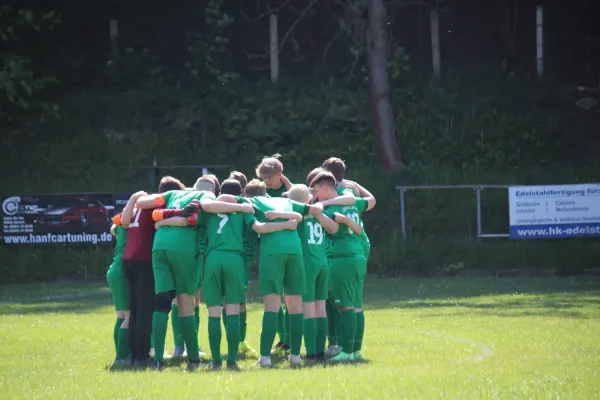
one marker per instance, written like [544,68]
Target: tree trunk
[383,114]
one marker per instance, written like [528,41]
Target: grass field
[525,338]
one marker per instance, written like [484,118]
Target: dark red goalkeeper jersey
[140,236]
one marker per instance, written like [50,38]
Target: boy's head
[232,187]
[240,177]
[323,186]
[311,175]
[169,183]
[216,182]
[299,193]
[205,183]
[336,166]
[256,187]
[270,170]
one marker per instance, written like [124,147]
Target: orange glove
[117,220]
[158,214]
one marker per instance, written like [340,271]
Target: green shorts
[316,282]
[224,277]
[200,262]
[346,277]
[279,273]
[175,270]
[366,249]
[119,287]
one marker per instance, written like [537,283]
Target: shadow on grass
[76,302]
[563,297]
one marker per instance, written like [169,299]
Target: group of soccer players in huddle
[307,240]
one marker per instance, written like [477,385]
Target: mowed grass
[534,338]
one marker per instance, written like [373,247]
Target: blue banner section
[555,231]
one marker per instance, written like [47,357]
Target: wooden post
[113,32]
[274,54]
[434,18]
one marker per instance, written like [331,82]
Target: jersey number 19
[315,232]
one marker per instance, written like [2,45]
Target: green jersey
[250,241]
[342,191]
[276,192]
[225,232]
[345,243]
[120,243]
[201,236]
[280,242]
[174,237]
[314,242]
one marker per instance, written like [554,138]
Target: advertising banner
[64,219]
[553,212]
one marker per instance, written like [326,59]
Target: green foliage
[471,129]
[19,82]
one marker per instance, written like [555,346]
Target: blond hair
[269,166]
[299,193]
[204,183]
[255,187]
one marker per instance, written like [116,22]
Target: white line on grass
[484,350]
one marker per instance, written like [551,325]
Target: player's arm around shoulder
[128,211]
[344,200]
[271,215]
[326,222]
[113,230]
[263,228]
[153,200]
[349,222]
[177,221]
[225,204]
[366,195]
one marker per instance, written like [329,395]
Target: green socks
[116,332]
[286,321]
[360,331]
[123,344]
[310,336]
[281,325]
[190,336]
[197,317]
[233,338]
[269,329]
[224,315]
[332,319]
[160,320]
[347,330]
[214,338]
[295,328]
[176,326]
[243,326]
[321,336]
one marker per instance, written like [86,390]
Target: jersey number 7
[224,219]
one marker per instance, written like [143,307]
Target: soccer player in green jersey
[348,265]
[250,244]
[176,268]
[119,288]
[338,169]
[280,268]
[207,183]
[314,249]
[224,275]
[270,171]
